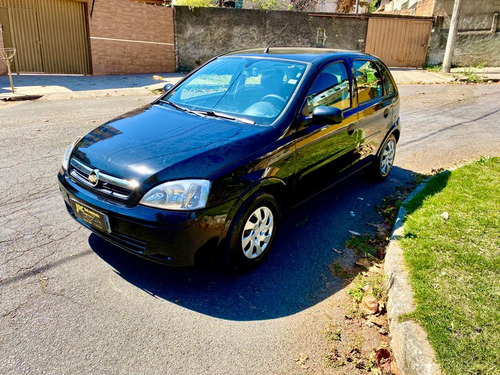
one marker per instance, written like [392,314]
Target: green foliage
[362,245]
[373,6]
[454,265]
[197,3]
[271,4]
[357,291]
[333,334]
[472,76]
[433,68]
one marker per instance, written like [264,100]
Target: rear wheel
[252,232]
[382,166]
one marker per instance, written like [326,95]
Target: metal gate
[399,42]
[50,36]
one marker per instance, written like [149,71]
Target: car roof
[308,55]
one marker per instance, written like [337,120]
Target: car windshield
[241,89]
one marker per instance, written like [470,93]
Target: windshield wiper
[224,116]
[176,106]
[208,113]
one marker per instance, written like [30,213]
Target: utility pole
[452,36]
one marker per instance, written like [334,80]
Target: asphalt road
[71,304]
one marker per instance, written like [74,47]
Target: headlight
[67,154]
[178,195]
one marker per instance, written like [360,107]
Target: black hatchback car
[210,165]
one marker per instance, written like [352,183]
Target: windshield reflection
[247,89]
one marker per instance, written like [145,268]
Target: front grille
[107,184]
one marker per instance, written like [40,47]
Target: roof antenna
[272,41]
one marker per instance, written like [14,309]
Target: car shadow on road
[295,275]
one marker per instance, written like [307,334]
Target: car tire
[384,162]
[252,232]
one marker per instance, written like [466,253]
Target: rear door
[374,106]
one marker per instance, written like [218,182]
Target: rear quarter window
[368,80]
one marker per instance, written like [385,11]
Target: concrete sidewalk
[65,87]
[487,74]
[410,76]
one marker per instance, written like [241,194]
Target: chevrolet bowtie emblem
[94,177]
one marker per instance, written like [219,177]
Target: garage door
[399,42]
[50,36]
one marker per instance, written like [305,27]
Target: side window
[389,84]
[331,88]
[368,80]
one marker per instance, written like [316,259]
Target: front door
[322,151]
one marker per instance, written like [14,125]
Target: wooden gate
[50,36]
[399,42]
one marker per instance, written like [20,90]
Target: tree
[345,6]
[196,3]
[305,5]
[271,4]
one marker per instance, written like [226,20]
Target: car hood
[156,138]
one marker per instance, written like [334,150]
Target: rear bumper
[167,237]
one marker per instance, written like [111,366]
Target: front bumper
[168,237]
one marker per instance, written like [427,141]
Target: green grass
[432,68]
[454,266]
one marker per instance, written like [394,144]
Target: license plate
[88,215]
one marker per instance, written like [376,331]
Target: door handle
[386,112]
[351,129]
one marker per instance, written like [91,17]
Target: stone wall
[203,33]
[128,37]
[478,40]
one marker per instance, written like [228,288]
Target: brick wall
[128,37]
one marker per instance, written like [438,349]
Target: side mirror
[167,87]
[327,115]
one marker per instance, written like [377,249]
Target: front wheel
[384,162]
[252,232]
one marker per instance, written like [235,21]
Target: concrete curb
[412,351]
[103,93]
[81,94]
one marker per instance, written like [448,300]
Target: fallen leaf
[364,262]
[369,304]
[383,359]
[382,229]
[337,251]
[354,233]
[378,321]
